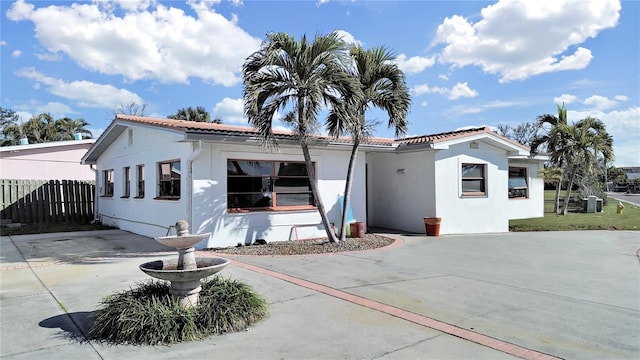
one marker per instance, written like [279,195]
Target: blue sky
[467,63]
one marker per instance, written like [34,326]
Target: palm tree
[198,114]
[301,77]
[67,128]
[584,142]
[11,134]
[553,141]
[383,86]
[39,129]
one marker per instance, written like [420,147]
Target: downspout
[190,160]
[95,196]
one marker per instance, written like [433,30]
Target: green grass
[148,315]
[608,219]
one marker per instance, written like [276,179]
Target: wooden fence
[47,201]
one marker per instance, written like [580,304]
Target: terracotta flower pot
[356,229]
[432,225]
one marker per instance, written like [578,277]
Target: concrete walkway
[534,295]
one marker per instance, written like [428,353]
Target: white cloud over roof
[149,41]
[459,90]
[623,126]
[600,102]
[230,111]
[414,64]
[84,93]
[518,39]
[348,38]
[565,99]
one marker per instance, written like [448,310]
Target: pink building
[58,160]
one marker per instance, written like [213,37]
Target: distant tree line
[197,114]
[40,128]
[43,128]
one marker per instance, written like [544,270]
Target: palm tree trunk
[556,208]
[565,206]
[558,188]
[316,194]
[347,187]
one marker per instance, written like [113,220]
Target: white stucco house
[152,172]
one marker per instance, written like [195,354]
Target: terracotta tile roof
[224,129]
[233,129]
[193,125]
[445,136]
[452,135]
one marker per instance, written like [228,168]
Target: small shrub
[149,315]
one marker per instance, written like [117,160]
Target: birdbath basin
[181,241]
[187,270]
[168,269]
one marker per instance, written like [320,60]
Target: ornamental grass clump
[149,315]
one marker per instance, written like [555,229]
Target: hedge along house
[152,172]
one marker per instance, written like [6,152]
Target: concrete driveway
[534,295]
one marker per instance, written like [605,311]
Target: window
[126,174]
[107,180]
[140,181]
[169,175]
[268,185]
[518,188]
[473,180]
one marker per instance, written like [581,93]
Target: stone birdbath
[186,272]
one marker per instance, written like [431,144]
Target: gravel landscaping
[306,247]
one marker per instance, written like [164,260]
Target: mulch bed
[306,247]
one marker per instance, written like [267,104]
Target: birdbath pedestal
[186,272]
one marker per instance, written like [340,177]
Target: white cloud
[230,111]
[426,89]
[621,97]
[56,109]
[443,77]
[3,43]
[475,109]
[623,126]
[83,92]
[148,41]
[424,103]
[23,116]
[461,90]
[16,53]
[600,102]
[348,38]
[583,83]
[414,64]
[565,98]
[518,39]
[49,56]
[457,91]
